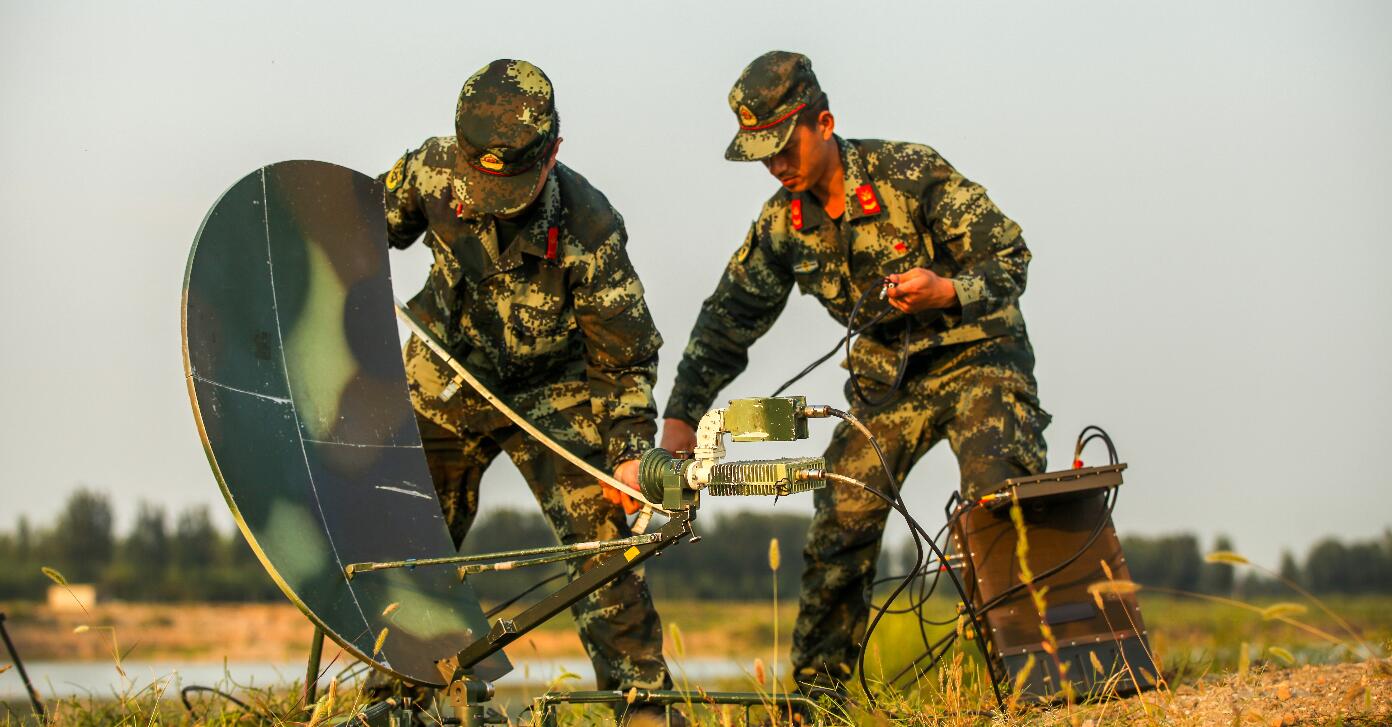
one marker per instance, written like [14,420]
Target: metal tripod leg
[19,667]
[311,680]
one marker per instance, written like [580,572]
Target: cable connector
[816,411]
[994,497]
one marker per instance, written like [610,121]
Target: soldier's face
[804,161]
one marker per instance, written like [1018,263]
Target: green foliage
[1218,578]
[88,537]
[731,561]
[1172,561]
[194,561]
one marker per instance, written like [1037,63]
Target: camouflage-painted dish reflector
[294,367]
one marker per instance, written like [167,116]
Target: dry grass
[1225,661]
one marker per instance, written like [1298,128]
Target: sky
[1203,185]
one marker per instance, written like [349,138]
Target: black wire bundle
[934,652]
[918,574]
[899,369]
[920,538]
[188,705]
[852,331]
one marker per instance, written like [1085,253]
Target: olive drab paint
[293,366]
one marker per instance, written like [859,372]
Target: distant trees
[1218,578]
[1172,561]
[192,560]
[88,535]
[731,561]
[148,542]
[1331,566]
[1357,567]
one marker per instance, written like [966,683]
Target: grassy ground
[1231,661]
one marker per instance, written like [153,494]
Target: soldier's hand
[921,289]
[627,473]
[677,436]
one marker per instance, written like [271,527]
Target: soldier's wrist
[683,412]
[626,451]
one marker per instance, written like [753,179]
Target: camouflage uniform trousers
[618,624]
[981,397]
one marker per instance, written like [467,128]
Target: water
[101,680]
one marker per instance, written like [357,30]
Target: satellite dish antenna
[294,368]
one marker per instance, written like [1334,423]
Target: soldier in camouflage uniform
[531,287]
[853,215]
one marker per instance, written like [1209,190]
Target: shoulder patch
[397,175]
[743,253]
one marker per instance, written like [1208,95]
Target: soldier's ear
[826,125]
[550,162]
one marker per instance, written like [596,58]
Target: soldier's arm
[985,243]
[405,217]
[621,344]
[748,299]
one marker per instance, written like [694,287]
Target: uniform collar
[861,198]
[535,235]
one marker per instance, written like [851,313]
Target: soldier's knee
[982,475]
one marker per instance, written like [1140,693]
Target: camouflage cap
[766,100]
[506,126]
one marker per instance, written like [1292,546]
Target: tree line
[187,558]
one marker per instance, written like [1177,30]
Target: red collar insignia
[553,236]
[869,204]
[796,213]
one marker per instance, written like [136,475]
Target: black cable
[941,646]
[490,613]
[919,534]
[1096,532]
[860,659]
[924,620]
[946,641]
[911,574]
[823,358]
[1089,433]
[899,369]
[183,697]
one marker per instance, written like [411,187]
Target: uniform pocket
[813,279]
[1028,447]
[873,362]
[540,312]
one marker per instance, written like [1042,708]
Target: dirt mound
[1350,694]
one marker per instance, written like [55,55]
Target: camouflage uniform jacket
[551,318]
[906,207]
